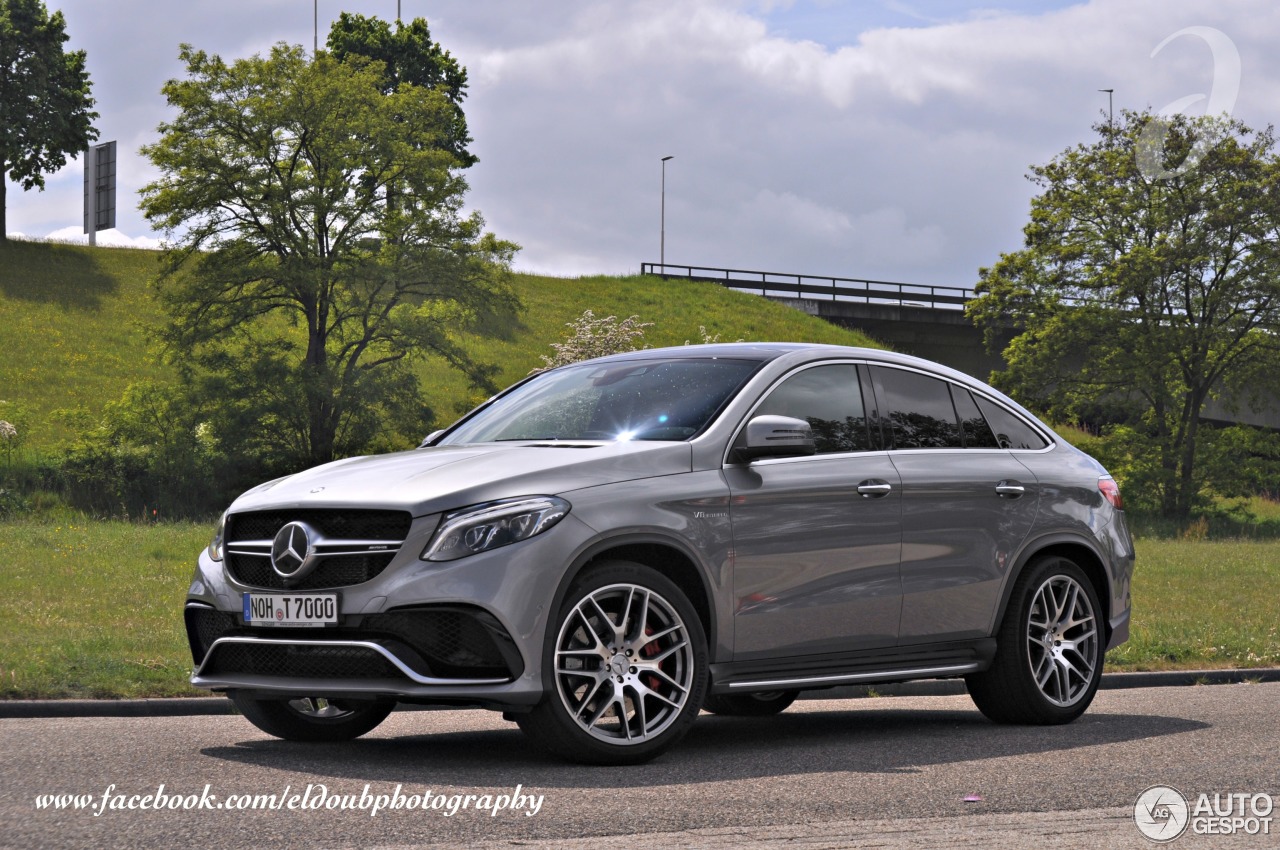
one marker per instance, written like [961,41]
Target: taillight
[1111,492]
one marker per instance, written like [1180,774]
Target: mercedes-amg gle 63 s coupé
[608,548]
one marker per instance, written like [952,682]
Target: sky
[883,140]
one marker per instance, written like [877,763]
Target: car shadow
[875,741]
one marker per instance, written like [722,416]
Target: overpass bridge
[920,319]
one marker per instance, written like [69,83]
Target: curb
[195,706]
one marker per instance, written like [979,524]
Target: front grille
[337,571]
[300,661]
[340,571]
[447,642]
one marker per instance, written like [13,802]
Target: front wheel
[1048,661]
[313,718]
[626,668]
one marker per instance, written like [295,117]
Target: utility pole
[662,227]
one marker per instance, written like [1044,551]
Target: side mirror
[430,438]
[775,436]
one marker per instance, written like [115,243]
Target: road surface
[885,772]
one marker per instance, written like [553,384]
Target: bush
[591,337]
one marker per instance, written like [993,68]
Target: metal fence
[821,287]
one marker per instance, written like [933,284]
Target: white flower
[7,431]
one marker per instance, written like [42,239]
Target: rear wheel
[760,704]
[313,718]
[1048,661]
[626,668]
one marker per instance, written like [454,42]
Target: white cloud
[864,140]
[112,238]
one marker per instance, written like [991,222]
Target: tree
[409,56]
[298,295]
[1149,282]
[44,97]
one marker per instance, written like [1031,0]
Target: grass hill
[76,322]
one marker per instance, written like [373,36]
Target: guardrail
[821,287]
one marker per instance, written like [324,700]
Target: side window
[977,434]
[918,410]
[830,400]
[1011,431]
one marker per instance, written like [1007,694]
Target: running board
[887,665]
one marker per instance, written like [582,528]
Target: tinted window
[1011,431]
[635,400]
[830,400]
[977,434]
[917,409]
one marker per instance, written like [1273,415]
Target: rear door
[967,505]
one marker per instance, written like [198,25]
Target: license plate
[293,610]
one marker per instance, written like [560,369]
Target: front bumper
[461,632]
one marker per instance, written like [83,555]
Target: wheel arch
[658,552]
[1078,550]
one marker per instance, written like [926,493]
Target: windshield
[671,399]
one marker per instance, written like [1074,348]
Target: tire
[1048,660]
[625,668]
[313,718]
[762,704]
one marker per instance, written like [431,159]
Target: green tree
[44,97]
[409,56]
[298,295]
[1149,282]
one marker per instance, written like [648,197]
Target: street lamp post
[662,226]
[1110,110]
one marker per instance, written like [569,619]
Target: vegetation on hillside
[85,386]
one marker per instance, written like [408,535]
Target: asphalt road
[887,772]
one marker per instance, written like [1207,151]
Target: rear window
[1011,431]
[977,433]
[916,410]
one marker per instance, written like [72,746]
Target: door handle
[873,489]
[1010,489]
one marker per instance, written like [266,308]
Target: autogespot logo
[1161,813]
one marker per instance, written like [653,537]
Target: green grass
[1210,604]
[93,609]
[73,331]
[76,323]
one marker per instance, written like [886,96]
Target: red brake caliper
[651,649]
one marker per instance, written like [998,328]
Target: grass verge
[93,609]
[1203,604]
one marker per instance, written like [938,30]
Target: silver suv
[607,548]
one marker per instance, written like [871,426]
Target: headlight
[480,528]
[215,547]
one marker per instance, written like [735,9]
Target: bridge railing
[821,287]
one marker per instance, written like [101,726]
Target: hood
[426,481]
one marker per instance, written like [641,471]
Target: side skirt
[899,664]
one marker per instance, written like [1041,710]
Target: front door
[816,540]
